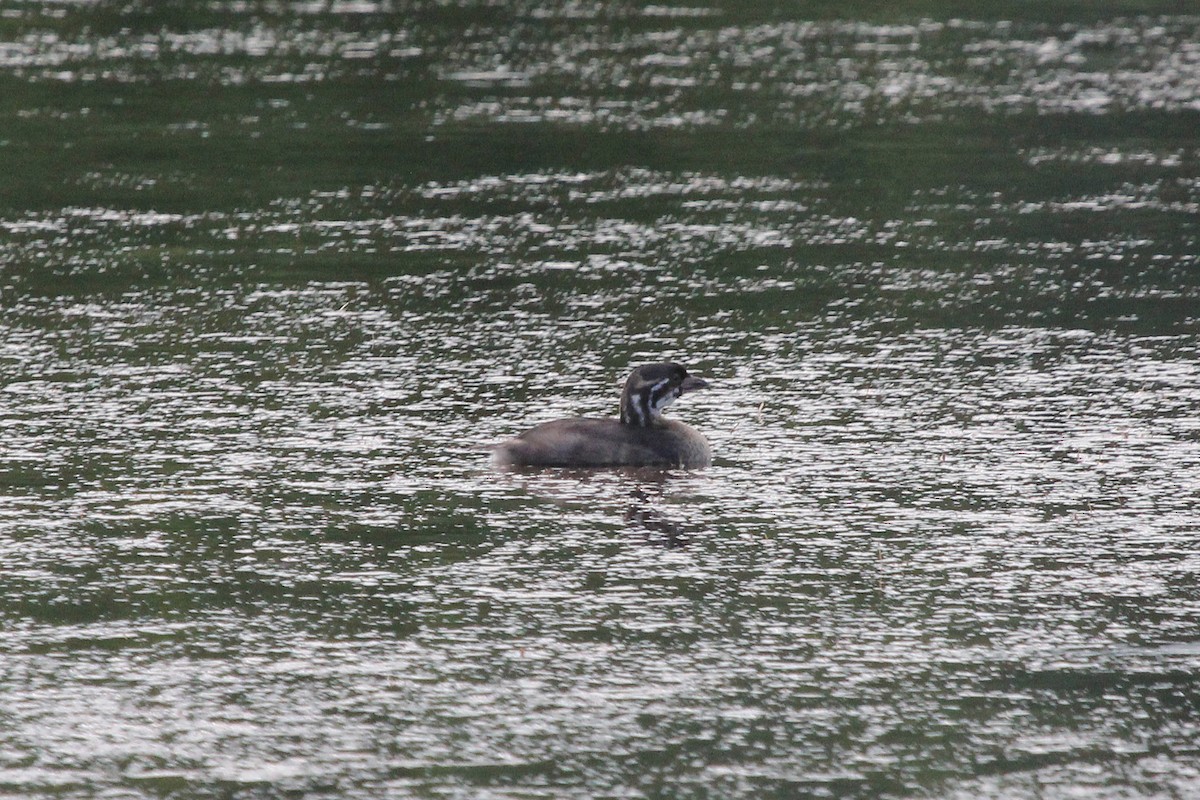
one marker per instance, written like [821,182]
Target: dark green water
[273,276]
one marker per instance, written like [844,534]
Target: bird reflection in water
[639,490]
[658,528]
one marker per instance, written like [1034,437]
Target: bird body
[589,442]
[641,437]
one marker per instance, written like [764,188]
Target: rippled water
[273,276]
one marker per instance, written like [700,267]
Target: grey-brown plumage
[641,437]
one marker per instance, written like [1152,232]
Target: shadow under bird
[642,437]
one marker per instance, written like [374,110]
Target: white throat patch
[661,396]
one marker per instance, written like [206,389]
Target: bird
[642,437]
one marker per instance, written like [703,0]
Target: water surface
[274,276]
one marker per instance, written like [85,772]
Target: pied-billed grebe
[641,437]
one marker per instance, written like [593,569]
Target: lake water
[273,276]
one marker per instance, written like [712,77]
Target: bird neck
[638,410]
